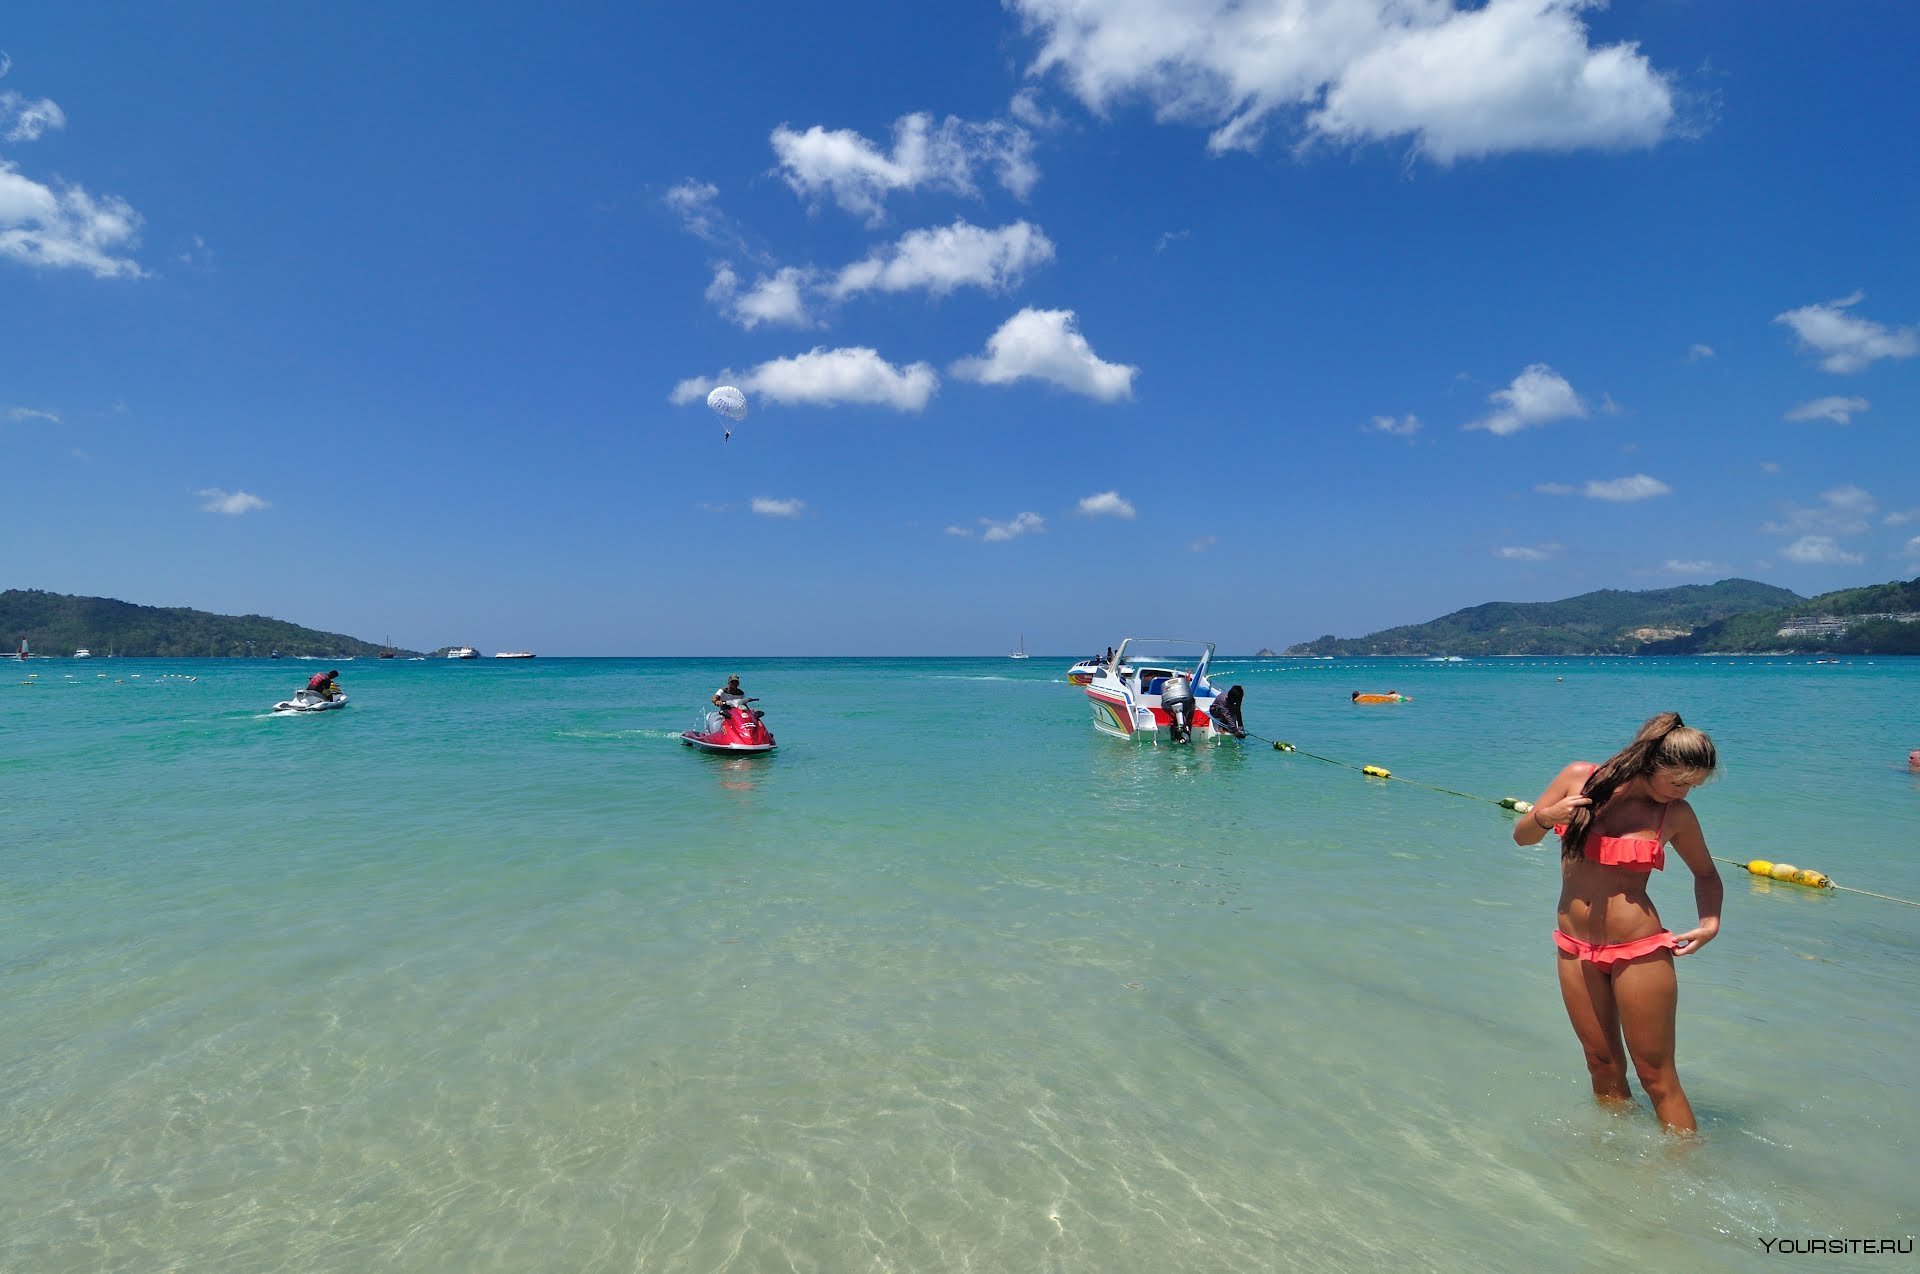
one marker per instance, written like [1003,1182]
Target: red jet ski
[735,728]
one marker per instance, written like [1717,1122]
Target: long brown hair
[1665,742]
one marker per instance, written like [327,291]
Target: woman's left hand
[1692,940]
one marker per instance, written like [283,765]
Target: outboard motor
[1226,713]
[1176,700]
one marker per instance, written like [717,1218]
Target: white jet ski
[308,701]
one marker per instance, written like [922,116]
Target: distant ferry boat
[83,653]
[462,652]
[513,654]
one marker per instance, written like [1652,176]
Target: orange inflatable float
[1391,696]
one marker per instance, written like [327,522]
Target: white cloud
[33,413]
[1202,544]
[948,257]
[1841,511]
[1839,410]
[1538,396]
[1509,75]
[1900,517]
[24,121]
[1912,548]
[1044,345]
[965,533]
[1626,490]
[1675,566]
[769,508]
[1404,427]
[1819,550]
[1699,352]
[1845,342]
[67,228]
[825,378]
[1769,466]
[774,298]
[1020,524]
[1107,504]
[229,502]
[1522,553]
[1554,488]
[695,202]
[856,174]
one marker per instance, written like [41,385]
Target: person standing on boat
[730,693]
[321,683]
[1615,821]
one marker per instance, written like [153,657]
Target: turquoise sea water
[487,972]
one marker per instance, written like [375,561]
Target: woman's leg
[1647,994]
[1589,998]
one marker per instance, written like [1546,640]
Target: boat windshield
[1175,654]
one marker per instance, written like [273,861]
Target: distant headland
[60,624]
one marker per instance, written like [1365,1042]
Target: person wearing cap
[321,683]
[729,693]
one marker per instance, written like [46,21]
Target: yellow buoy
[1516,804]
[1282,747]
[1783,871]
[1760,867]
[1811,878]
[1376,771]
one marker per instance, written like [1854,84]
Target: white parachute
[731,403]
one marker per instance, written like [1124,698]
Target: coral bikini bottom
[1606,956]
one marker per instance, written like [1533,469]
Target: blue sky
[1244,322]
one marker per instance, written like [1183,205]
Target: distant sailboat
[1022,652]
[23,648]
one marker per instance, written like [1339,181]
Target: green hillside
[1820,624]
[59,624]
[1607,622]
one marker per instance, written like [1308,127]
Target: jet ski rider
[321,683]
[729,694]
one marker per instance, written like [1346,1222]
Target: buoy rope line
[1785,873]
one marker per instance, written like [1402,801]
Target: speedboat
[83,653]
[1084,672]
[1157,688]
[738,727]
[308,701]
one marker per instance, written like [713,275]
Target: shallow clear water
[487,972]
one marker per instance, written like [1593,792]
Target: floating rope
[1785,873]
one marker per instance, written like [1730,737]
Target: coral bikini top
[1634,853]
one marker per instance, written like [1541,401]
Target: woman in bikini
[1616,959]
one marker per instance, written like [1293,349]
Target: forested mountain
[59,624]
[1608,622]
[1849,621]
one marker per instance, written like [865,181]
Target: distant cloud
[1842,511]
[1912,548]
[1626,490]
[1675,566]
[1538,396]
[1819,550]
[774,298]
[22,120]
[1107,504]
[767,508]
[1845,342]
[33,413]
[696,201]
[1404,427]
[66,228]
[942,259]
[1018,525]
[1522,553]
[233,503]
[1839,410]
[856,174]
[1045,345]
[1202,544]
[1769,466]
[1900,517]
[1512,75]
[825,378]
[1699,353]
[1169,237]
[1554,488]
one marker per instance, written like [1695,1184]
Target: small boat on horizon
[83,653]
[1021,653]
[462,652]
[513,654]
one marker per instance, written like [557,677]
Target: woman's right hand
[1556,813]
